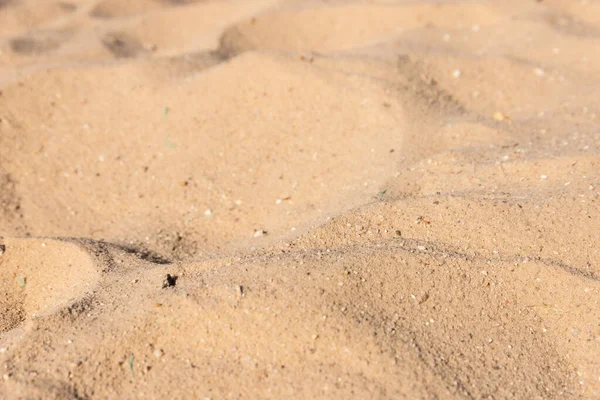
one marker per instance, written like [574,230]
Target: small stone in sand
[169,281]
[498,116]
[422,299]
[422,220]
[2,249]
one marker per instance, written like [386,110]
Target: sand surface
[299,199]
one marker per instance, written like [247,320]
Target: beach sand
[299,199]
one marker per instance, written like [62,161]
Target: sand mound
[42,276]
[339,27]
[222,199]
[204,168]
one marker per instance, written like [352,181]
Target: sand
[299,199]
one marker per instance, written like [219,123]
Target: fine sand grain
[299,199]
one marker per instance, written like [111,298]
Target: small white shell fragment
[259,233]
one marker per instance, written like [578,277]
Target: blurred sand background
[352,199]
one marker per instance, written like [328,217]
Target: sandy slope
[371,199]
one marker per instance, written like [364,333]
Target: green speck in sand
[131,358]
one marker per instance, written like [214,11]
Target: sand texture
[235,199]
